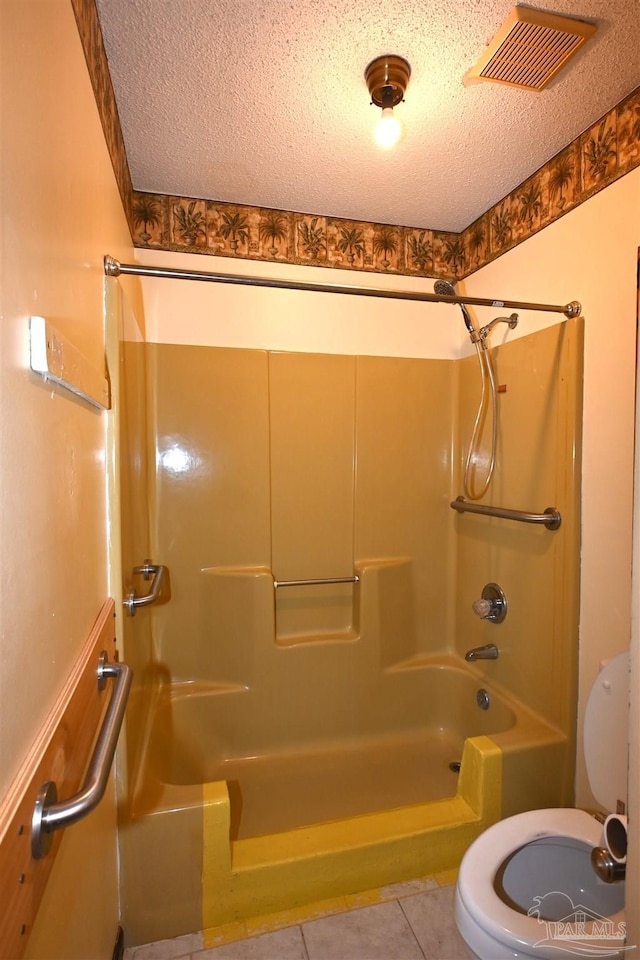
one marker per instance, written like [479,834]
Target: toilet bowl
[526,887]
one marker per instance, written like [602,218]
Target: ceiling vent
[530,48]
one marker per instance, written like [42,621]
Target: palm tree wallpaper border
[590,163]
[599,156]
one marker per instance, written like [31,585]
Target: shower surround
[294,743]
[294,465]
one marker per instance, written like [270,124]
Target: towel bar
[313,583]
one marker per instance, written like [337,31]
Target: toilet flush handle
[606,867]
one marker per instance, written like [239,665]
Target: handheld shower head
[445,289]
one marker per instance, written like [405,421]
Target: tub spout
[488,652]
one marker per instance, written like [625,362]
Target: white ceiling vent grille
[530,48]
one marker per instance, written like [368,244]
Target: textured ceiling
[263,102]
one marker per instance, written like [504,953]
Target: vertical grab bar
[48,814]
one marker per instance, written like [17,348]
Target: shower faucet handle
[493,604]
[483,608]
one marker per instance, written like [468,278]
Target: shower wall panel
[134,477]
[212,502]
[312,416]
[278,466]
[406,413]
[299,466]
[295,466]
[540,412]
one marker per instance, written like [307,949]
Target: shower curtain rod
[113,268]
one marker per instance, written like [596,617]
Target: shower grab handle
[148,570]
[313,583]
[551,518]
[49,814]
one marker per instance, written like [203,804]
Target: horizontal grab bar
[551,518]
[148,570]
[313,583]
[48,814]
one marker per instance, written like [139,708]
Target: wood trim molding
[60,753]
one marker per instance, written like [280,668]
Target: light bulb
[388,129]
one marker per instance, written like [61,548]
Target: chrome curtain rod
[113,268]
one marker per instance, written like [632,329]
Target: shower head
[445,289]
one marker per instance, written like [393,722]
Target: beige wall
[225,315]
[633,861]
[591,256]
[60,213]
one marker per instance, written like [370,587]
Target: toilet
[526,887]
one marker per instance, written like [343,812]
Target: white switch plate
[57,359]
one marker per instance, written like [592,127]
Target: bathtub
[239,812]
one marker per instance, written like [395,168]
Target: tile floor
[410,921]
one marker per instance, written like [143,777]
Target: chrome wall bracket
[150,571]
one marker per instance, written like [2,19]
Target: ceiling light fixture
[387,78]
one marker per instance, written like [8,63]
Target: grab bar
[148,570]
[313,583]
[48,814]
[551,518]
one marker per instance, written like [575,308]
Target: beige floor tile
[446,877]
[408,888]
[166,949]
[380,932]
[227,933]
[432,921]
[296,916]
[279,945]
[393,891]
[417,925]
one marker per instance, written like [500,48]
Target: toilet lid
[606,733]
